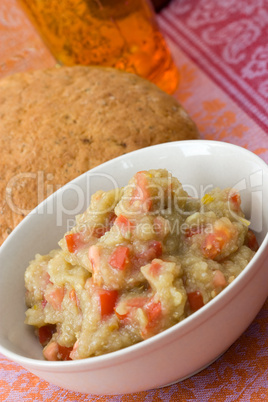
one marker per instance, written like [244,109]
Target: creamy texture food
[139,260]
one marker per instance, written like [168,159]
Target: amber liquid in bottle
[116,33]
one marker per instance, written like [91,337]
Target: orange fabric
[241,374]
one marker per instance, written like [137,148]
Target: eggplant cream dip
[139,260]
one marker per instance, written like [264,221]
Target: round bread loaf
[58,123]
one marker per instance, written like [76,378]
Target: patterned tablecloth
[221,49]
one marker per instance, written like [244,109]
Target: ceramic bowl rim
[150,344]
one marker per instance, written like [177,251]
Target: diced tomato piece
[94,257]
[235,200]
[219,279]
[55,298]
[195,300]
[64,352]
[122,221]
[74,241]
[251,241]
[45,333]
[154,312]
[51,351]
[155,268]
[73,352]
[119,257]
[155,248]
[125,225]
[107,299]
[141,192]
[214,243]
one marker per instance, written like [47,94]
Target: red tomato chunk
[64,353]
[53,352]
[235,200]
[119,258]
[107,299]
[74,241]
[154,314]
[214,243]
[155,268]
[124,224]
[141,192]
[251,241]
[55,298]
[195,300]
[45,333]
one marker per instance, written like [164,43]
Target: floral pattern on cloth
[216,115]
[228,40]
[240,374]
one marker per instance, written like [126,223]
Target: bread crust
[58,123]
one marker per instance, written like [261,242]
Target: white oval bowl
[180,351]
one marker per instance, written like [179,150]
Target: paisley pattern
[228,40]
[241,373]
[258,64]
[217,116]
[245,32]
